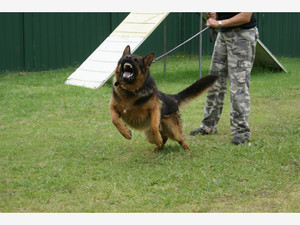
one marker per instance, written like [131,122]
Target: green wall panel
[55,40]
[280,32]
[44,41]
[11,41]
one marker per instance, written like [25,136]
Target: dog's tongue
[127,74]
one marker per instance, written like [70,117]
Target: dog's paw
[127,134]
[184,145]
[156,149]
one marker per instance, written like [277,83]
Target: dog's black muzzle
[128,69]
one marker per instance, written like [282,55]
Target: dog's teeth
[127,64]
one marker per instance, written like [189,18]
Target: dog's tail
[194,90]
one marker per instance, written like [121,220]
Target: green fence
[43,41]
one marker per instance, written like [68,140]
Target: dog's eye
[136,60]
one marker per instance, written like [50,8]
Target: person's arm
[239,19]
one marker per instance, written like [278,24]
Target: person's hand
[212,15]
[212,23]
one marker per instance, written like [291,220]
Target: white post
[200,48]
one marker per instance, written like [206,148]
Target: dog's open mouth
[127,70]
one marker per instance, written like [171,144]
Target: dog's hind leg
[177,136]
[173,127]
[183,144]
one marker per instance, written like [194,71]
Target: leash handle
[212,32]
[158,58]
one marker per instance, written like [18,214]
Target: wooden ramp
[100,65]
[265,58]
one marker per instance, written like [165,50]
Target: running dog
[136,99]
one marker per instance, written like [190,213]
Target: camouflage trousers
[232,60]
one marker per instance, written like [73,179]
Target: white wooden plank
[86,75]
[88,84]
[135,28]
[114,46]
[100,65]
[123,39]
[106,56]
[144,17]
[264,57]
[134,23]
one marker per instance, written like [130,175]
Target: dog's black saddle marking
[169,104]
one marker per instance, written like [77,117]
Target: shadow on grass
[170,148]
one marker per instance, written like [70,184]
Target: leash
[200,32]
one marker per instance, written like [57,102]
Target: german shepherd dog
[136,99]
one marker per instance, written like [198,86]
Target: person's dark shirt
[227,15]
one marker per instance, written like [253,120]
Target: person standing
[232,60]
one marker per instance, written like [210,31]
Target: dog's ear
[148,59]
[126,51]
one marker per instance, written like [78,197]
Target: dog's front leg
[119,124]
[154,127]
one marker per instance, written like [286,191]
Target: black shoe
[238,140]
[199,130]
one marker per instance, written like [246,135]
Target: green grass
[60,152]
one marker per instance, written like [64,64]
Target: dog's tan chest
[136,118]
